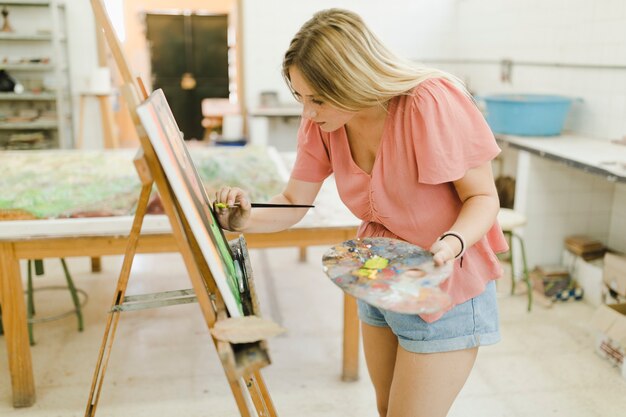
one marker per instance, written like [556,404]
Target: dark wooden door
[193,48]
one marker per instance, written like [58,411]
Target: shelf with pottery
[32,28]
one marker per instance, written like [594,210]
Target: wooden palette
[389,274]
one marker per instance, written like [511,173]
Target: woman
[411,156]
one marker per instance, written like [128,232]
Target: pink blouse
[431,137]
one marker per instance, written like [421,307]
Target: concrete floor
[164,363]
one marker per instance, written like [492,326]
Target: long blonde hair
[347,65]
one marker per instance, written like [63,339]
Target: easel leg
[350,339]
[15,329]
[113,317]
[101,365]
[239,394]
[259,395]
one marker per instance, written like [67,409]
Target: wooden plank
[300,237]
[161,243]
[91,246]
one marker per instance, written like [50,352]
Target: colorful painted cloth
[72,183]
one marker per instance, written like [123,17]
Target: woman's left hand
[442,252]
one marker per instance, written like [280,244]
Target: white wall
[83,60]
[575,31]
[551,31]
[408,27]
[556,31]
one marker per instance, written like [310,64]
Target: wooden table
[39,239]
[328,223]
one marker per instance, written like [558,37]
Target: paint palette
[389,274]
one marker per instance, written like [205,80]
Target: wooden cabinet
[189,57]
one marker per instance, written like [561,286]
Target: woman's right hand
[232,208]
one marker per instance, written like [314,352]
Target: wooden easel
[241,363]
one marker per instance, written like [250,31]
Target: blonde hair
[348,66]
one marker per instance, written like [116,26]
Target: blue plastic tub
[527,114]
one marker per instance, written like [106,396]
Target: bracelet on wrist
[459,237]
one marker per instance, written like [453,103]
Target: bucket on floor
[527,114]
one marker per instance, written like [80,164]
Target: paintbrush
[264,205]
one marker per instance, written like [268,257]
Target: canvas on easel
[158,121]
[219,271]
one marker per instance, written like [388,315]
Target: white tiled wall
[558,200]
[423,27]
[549,31]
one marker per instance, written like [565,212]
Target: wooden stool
[510,220]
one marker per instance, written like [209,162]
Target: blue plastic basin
[527,114]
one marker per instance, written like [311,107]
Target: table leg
[15,329]
[302,254]
[350,339]
[96,264]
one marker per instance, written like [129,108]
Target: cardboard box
[614,274]
[610,321]
[585,247]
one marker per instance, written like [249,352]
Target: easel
[241,363]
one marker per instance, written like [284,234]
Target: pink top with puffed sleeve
[432,137]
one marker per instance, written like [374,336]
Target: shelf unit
[35,54]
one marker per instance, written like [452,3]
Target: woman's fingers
[230,196]
[222,195]
[232,217]
[442,252]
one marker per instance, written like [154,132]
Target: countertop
[597,156]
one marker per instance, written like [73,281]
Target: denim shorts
[467,325]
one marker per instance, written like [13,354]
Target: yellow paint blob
[376,262]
